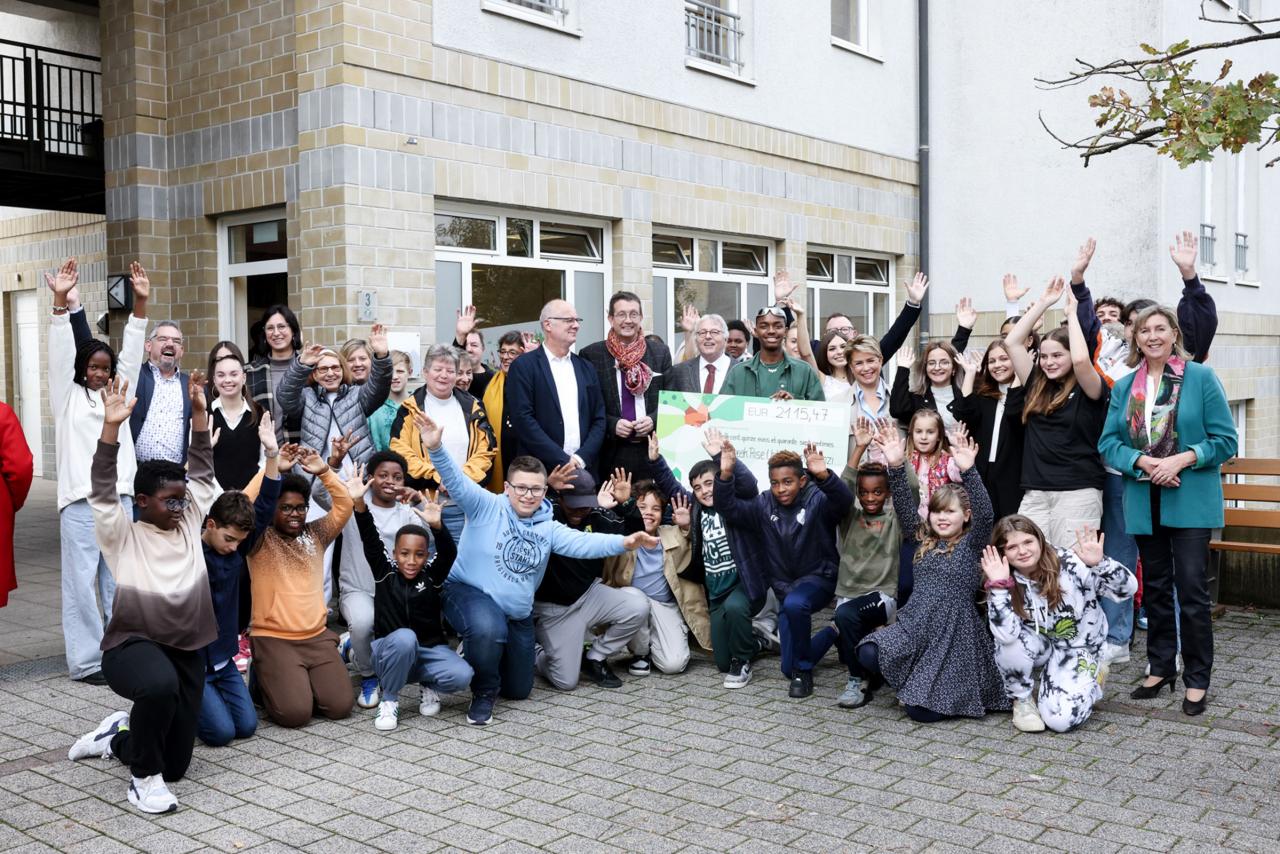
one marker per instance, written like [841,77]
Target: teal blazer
[1204,425]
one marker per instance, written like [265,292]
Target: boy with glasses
[162,616]
[502,557]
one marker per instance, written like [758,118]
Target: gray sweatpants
[559,630]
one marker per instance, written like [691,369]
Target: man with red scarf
[630,366]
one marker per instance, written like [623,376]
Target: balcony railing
[50,98]
[555,8]
[713,34]
[1242,253]
[1208,243]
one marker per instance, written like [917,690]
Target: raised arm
[1081,359]
[736,508]
[201,482]
[966,317]
[462,489]
[894,448]
[446,549]
[110,524]
[661,472]
[803,342]
[1197,312]
[906,319]
[327,529]
[964,450]
[377,388]
[289,392]
[1084,311]
[838,498]
[1016,340]
[375,553]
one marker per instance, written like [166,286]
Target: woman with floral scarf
[1168,431]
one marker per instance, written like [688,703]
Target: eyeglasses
[709,333]
[775,310]
[329,369]
[626,315]
[569,320]
[843,331]
[176,505]
[292,509]
[531,491]
[932,364]
[512,353]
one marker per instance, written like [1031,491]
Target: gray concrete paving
[663,764]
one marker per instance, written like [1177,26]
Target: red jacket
[16,470]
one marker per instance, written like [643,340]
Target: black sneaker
[600,673]
[639,666]
[94,678]
[801,684]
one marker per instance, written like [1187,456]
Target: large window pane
[708,297]
[849,303]
[509,298]
[466,232]
[257,241]
[569,241]
[871,271]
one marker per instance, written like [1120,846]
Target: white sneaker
[98,743]
[1026,717]
[855,694]
[369,695]
[739,674]
[150,794]
[1177,665]
[1115,653]
[429,705]
[388,715]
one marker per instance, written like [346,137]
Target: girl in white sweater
[76,375]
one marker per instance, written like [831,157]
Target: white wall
[802,82]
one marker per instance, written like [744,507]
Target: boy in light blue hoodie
[488,597]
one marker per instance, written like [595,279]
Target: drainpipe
[922,122]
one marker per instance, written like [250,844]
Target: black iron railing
[51,98]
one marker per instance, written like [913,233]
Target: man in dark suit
[707,371]
[630,367]
[161,419]
[552,406]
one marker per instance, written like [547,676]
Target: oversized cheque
[757,426]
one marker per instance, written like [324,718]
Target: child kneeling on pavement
[408,633]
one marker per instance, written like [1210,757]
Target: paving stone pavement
[666,763]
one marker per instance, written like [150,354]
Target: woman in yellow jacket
[468,438]
[674,603]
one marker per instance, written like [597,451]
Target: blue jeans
[397,659]
[498,648]
[86,582]
[452,517]
[226,712]
[795,623]
[1120,547]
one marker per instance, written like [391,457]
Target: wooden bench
[1255,578]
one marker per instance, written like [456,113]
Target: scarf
[1160,438]
[636,375]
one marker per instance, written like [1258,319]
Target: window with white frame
[728,276]
[253,270]
[856,285]
[714,33]
[555,14]
[509,264]
[853,26]
[1243,218]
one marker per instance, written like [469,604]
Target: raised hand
[814,461]
[1083,256]
[1012,292]
[864,431]
[378,340]
[712,441]
[783,287]
[1183,253]
[906,354]
[620,483]
[562,476]
[465,324]
[964,450]
[1089,545]
[681,513]
[428,430]
[916,288]
[341,446]
[890,442]
[356,485]
[141,282]
[410,496]
[970,361]
[430,512]
[290,453]
[310,355]
[728,456]
[195,390]
[65,278]
[1072,302]
[689,318]
[312,462]
[116,405]
[966,314]
[1053,291]
[654,450]
[267,433]
[995,566]
[639,540]
[529,341]
[605,496]
[213,439]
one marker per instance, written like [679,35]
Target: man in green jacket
[771,372]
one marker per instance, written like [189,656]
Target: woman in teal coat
[1169,430]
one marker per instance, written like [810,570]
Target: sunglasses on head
[775,310]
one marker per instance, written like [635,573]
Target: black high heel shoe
[1146,692]
[1191,708]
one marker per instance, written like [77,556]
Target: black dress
[1003,475]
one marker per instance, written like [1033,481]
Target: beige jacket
[689,595]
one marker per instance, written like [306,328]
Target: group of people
[525,510]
